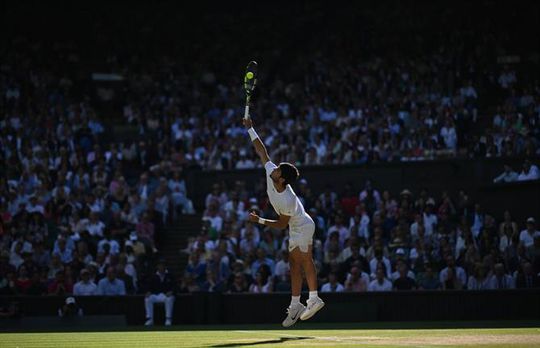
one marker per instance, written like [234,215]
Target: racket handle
[246,112]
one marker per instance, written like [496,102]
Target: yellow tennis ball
[249,75]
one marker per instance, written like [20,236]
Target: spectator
[70,309]
[357,280]
[212,284]
[458,277]
[404,282]
[451,281]
[428,279]
[160,291]
[110,285]
[239,284]
[261,284]
[527,236]
[332,285]
[500,280]
[60,286]
[526,277]
[85,287]
[479,280]
[509,175]
[126,278]
[380,283]
[260,261]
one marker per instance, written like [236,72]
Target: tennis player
[301,228]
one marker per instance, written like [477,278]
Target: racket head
[249,83]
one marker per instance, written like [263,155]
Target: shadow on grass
[244,344]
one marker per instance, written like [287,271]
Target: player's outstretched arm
[280,224]
[257,142]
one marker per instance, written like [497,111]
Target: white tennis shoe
[313,306]
[293,314]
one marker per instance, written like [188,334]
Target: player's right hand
[247,122]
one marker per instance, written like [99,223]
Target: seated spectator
[479,280]
[70,309]
[509,175]
[400,262]
[283,264]
[332,285]
[23,281]
[146,231]
[459,272]
[60,286]
[404,282]
[15,258]
[126,278]
[262,260]
[212,284]
[451,281]
[526,277]
[136,245]
[160,291]
[114,247]
[380,283]
[501,280]
[527,236]
[530,172]
[428,280]
[110,285]
[378,260]
[239,283]
[85,286]
[357,281]
[95,227]
[63,251]
[261,284]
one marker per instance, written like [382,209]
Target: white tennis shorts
[301,237]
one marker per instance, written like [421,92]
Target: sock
[313,295]
[295,300]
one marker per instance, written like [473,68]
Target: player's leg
[296,308]
[314,302]
[309,269]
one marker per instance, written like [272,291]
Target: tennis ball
[249,75]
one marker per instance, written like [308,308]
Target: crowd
[74,217]
[365,241]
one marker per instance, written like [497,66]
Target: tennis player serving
[301,228]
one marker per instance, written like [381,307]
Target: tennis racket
[250,80]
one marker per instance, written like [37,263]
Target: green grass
[260,336]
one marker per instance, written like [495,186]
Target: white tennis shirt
[286,202]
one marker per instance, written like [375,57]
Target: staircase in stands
[174,238]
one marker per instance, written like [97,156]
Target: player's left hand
[253,217]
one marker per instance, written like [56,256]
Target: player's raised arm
[257,142]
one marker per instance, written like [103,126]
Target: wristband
[261,221]
[252,134]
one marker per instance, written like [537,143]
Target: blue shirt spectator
[110,285]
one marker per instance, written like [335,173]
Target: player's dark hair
[289,172]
